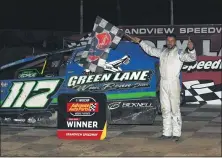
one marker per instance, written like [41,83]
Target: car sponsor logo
[82,117]
[104,40]
[4,84]
[111,81]
[82,106]
[93,58]
[137,104]
[204,66]
[28,74]
[114,105]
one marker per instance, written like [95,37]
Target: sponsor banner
[207,38]
[202,80]
[111,81]
[132,111]
[82,116]
[177,29]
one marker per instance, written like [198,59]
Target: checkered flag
[103,26]
[92,107]
[104,37]
[203,91]
[92,62]
[81,43]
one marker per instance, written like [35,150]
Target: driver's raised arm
[152,51]
[148,49]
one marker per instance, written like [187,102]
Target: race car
[30,87]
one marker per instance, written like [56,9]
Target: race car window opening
[56,66]
[13,71]
[30,70]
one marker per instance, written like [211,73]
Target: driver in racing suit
[171,61]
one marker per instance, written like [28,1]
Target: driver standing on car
[171,61]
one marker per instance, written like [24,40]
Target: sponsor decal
[83,117]
[28,73]
[93,58]
[204,66]
[80,106]
[137,111]
[111,81]
[4,84]
[114,105]
[30,94]
[104,40]
[136,104]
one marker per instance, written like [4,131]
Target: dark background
[64,15]
[29,27]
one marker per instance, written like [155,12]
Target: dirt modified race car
[30,87]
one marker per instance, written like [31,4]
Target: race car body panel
[32,85]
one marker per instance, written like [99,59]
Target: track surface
[201,137]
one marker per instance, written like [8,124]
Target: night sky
[64,15]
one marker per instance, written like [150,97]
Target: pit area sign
[82,116]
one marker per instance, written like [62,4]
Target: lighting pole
[118,12]
[81,16]
[171,13]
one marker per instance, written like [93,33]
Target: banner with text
[82,116]
[207,38]
[202,80]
